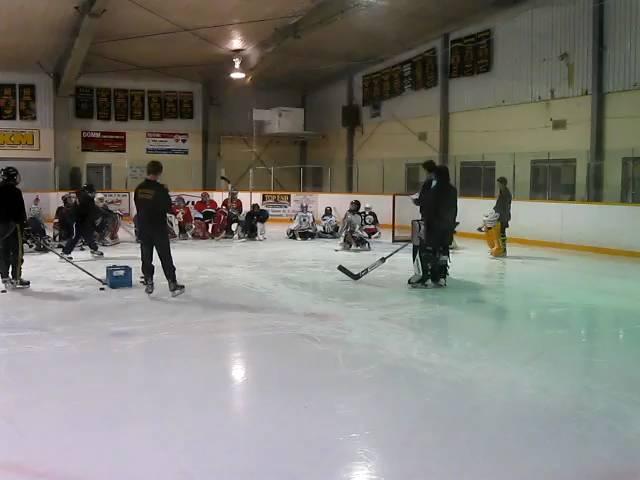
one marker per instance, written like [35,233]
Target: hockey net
[404,211]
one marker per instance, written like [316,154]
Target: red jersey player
[206,204]
[183,214]
[233,204]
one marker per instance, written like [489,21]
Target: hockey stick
[370,268]
[102,282]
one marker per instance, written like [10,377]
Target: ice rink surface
[274,366]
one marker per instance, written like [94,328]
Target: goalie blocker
[430,261]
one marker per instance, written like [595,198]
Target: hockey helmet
[233,193]
[328,211]
[255,207]
[304,207]
[204,196]
[180,200]
[89,188]
[10,175]
[354,206]
[367,207]
[100,199]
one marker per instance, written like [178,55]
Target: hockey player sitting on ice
[433,234]
[35,224]
[371,225]
[351,233]
[107,223]
[329,227]
[234,209]
[254,220]
[303,226]
[63,220]
[183,216]
[206,207]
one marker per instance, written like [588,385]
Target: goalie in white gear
[304,225]
[351,232]
[329,227]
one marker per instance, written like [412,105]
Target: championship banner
[483,52]
[136,104]
[469,58]
[456,59]
[118,202]
[106,142]
[27,102]
[84,102]
[431,68]
[408,76]
[121,104]
[186,105]
[8,101]
[19,139]
[170,105]
[418,72]
[366,90]
[165,143]
[277,204]
[154,99]
[103,104]
[386,83]
[397,81]
[376,88]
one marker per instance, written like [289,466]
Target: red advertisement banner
[94,141]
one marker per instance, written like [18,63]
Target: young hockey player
[351,232]
[12,220]
[234,209]
[183,216]
[35,220]
[303,226]
[63,221]
[207,208]
[153,204]
[371,225]
[85,215]
[329,227]
[254,220]
[503,209]
[433,235]
[108,223]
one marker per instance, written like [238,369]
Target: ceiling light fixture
[237,73]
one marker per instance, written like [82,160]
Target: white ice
[274,366]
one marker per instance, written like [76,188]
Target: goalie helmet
[304,207]
[490,219]
[367,208]
[354,206]
[100,200]
[328,211]
[204,196]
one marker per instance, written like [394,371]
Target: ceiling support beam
[443,155]
[596,154]
[70,66]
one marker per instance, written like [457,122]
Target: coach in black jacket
[503,208]
[12,220]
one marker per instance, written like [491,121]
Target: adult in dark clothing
[503,208]
[421,201]
[153,203]
[433,235]
[12,221]
[63,220]
[84,215]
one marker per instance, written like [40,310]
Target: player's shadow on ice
[535,259]
[53,296]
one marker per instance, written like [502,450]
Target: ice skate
[20,284]
[148,286]
[97,253]
[176,289]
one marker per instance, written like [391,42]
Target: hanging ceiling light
[237,73]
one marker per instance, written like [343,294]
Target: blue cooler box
[119,276]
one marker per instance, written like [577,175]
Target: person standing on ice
[503,209]
[153,203]
[12,220]
[84,214]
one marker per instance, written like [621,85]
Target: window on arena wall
[553,179]
[414,177]
[478,179]
[630,180]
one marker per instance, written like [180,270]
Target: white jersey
[35,212]
[352,223]
[303,221]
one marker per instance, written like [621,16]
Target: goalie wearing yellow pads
[492,231]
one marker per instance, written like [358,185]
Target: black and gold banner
[186,105]
[103,104]
[469,58]
[154,99]
[408,76]
[136,104]
[84,102]
[121,104]
[385,76]
[456,59]
[397,81]
[27,102]
[418,72]
[483,52]
[366,90]
[8,101]
[376,87]
[170,105]
[431,68]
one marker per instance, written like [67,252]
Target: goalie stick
[370,268]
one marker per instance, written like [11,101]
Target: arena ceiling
[286,42]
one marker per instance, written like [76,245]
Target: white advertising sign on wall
[167,143]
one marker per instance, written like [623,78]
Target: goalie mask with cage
[490,219]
